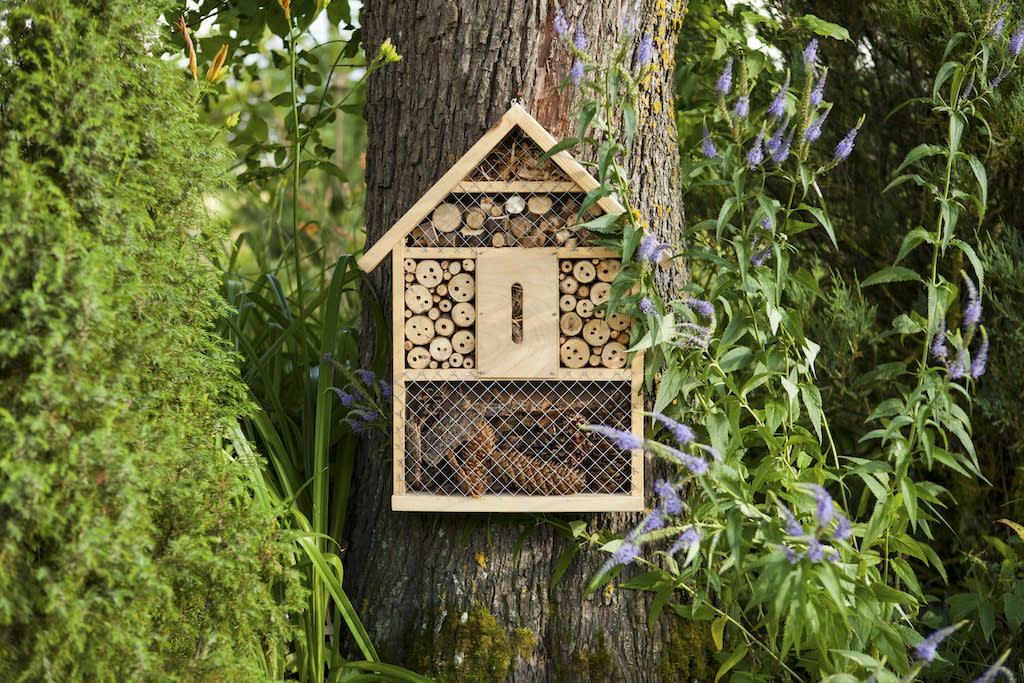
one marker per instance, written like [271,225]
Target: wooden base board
[581,502]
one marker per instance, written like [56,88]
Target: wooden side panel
[499,354]
[637,420]
[398,366]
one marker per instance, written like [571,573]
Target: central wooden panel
[517,324]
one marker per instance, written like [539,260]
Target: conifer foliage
[129,548]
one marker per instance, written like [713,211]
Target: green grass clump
[129,547]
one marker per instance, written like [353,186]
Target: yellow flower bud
[388,53]
[284,5]
[232,120]
[218,64]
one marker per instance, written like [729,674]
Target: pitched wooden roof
[516,116]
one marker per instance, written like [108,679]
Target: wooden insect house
[501,348]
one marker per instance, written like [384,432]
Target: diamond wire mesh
[515,158]
[515,437]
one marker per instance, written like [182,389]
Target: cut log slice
[463,314]
[447,217]
[419,329]
[515,204]
[455,360]
[418,299]
[433,314]
[596,332]
[607,269]
[444,327]
[566,303]
[418,358]
[585,308]
[445,305]
[539,204]
[536,238]
[600,292]
[574,353]
[410,265]
[455,267]
[564,266]
[568,286]
[619,322]
[584,271]
[614,356]
[520,226]
[461,287]
[570,324]
[428,273]
[474,218]
[464,342]
[468,265]
[440,348]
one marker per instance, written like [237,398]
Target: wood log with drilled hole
[419,329]
[428,273]
[409,265]
[418,358]
[600,292]
[607,269]
[468,265]
[468,362]
[614,356]
[619,322]
[444,326]
[463,314]
[570,324]
[445,305]
[585,308]
[564,266]
[455,360]
[434,314]
[461,287]
[574,353]
[568,286]
[539,204]
[596,332]
[515,205]
[447,217]
[584,272]
[566,303]
[440,348]
[463,342]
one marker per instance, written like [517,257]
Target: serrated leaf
[892,274]
[920,152]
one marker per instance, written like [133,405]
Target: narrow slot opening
[517,313]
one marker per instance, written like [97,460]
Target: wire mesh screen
[515,158]
[515,437]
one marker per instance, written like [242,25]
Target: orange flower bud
[218,64]
[284,5]
[191,48]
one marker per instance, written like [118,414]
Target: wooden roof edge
[516,115]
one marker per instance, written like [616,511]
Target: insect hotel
[501,349]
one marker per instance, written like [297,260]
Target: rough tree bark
[423,582]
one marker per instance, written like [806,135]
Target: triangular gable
[516,116]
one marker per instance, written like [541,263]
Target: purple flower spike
[778,106]
[843,530]
[561,25]
[958,367]
[978,363]
[845,145]
[346,398]
[681,432]
[652,522]
[670,502]
[997,27]
[811,53]
[793,527]
[622,438]
[580,39]
[626,553]
[688,538]
[972,311]
[939,350]
[791,555]
[697,466]
[999,79]
[576,73]
[825,510]
[780,155]
[366,375]
[775,141]
[706,146]
[742,107]
[650,249]
[926,649]
[386,390]
[819,90]
[646,49]
[1016,40]
[647,306]
[725,80]
[813,131]
[815,553]
[704,308]
[756,155]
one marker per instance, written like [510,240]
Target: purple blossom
[652,522]
[780,155]
[346,398]
[646,49]
[775,141]
[793,527]
[725,80]
[825,510]
[843,530]
[704,308]
[993,671]
[386,390]
[682,433]
[819,90]
[697,466]
[778,106]
[766,223]
[357,426]
[939,350]
[647,306]
[670,502]
[811,53]
[832,555]
[366,375]
[926,649]
[624,554]
[999,79]
[622,438]
[688,538]
[813,131]
[755,156]
[978,363]
[845,145]
[561,25]
[757,258]
[580,39]
[958,367]
[791,555]
[742,107]
[706,146]
[365,415]
[815,553]
[650,249]
[997,27]
[576,73]
[1016,40]
[972,311]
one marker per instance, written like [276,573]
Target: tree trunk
[447,594]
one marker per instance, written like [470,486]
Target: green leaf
[668,390]
[564,560]
[911,240]
[718,631]
[920,152]
[629,122]
[981,176]
[735,359]
[559,146]
[892,274]
[822,27]
[945,71]
[812,400]
[737,655]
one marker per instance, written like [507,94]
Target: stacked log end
[589,339]
[440,317]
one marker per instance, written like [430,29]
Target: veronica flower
[775,141]
[646,49]
[688,538]
[832,555]
[972,311]
[793,527]
[561,25]
[1016,40]
[577,72]
[791,555]
[346,398]
[706,146]
[926,649]
[999,79]
[825,510]
[939,350]
[580,39]
[670,502]
[681,432]
[366,375]
[650,249]
[386,391]
[815,553]
[725,80]
[843,530]
[958,367]
[811,53]
[978,363]
[755,156]
[845,145]
[357,426]
[993,671]
[970,87]
[624,439]
[697,466]
[757,258]
[652,522]
[704,308]
[366,415]
[647,306]
[997,27]
[819,90]
[813,131]
[624,554]
[778,106]
[780,155]
[742,107]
